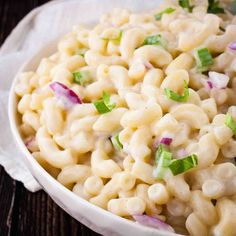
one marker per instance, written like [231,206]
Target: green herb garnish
[231,123]
[204,59]
[163,159]
[213,7]
[175,96]
[168,10]
[103,105]
[155,40]
[185,4]
[116,142]
[165,162]
[182,165]
[82,78]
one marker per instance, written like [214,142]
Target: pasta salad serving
[137,115]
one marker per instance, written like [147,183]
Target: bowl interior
[92,216]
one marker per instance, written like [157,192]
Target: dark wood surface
[23,213]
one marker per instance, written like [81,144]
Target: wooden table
[21,212]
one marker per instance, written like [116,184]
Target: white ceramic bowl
[92,216]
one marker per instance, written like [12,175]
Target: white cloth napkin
[39,27]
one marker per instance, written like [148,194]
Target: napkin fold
[41,26]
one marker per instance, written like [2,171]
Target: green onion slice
[165,162]
[231,123]
[103,105]
[204,59]
[213,7]
[155,40]
[161,148]
[82,78]
[168,10]
[182,165]
[116,142]
[175,96]
[186,4]
[163,159]
[115,40]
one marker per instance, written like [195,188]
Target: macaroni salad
[138,115]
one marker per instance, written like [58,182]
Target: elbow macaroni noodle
[74,144]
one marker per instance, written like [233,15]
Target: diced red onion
[167,141]
[210,85]
[153,222]
[218,80]
[68,96]
[232,46]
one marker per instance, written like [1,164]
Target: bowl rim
[30,160]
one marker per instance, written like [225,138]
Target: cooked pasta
[137,115]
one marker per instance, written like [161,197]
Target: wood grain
[23,213]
